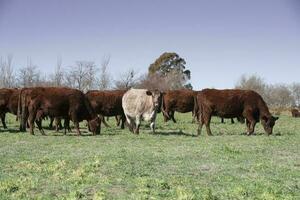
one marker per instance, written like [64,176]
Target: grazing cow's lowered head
[156,98]
[268,123]
[94,125]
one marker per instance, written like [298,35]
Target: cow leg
[232,121]
[58,124]
[207,124]
[194,117]
[118,120]
[152,126]
[172,116]
[222,120]
[130,123]
[137,124]
[76,124]
[65,126]
[51,122]
[31,119]
[3,120]
[251,127]
[201,121]
[23,121]
[250,122]
[39,125]
[102,118]
[123,119]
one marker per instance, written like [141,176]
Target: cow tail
[22,110]
[19,106]
[163,108]
[196,108]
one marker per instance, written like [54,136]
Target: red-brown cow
[107,103]
[295,113]
[8,103]
[66,103]
[177,100]
[233,103]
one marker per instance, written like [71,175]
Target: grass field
[171,164]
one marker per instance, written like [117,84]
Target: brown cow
[67,103]
[108,103]
[8,103]
[177,100]
[230,104]
[295,113]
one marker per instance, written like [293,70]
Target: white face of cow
[156,98]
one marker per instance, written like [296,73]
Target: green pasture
[171,164]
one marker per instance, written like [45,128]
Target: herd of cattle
[130,107]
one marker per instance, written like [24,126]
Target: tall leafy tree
[172,67]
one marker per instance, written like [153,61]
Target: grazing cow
[233,103]
[67,103]
[108,103]
[8,103]
[177,100]
[295,113]
[141,104]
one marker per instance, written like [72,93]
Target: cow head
[268,123]
[156,98]
[94,125]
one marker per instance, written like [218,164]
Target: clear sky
[219,39]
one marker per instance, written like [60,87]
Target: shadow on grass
[172,132]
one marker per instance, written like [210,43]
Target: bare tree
[104,81]
[82,76]
[7,77]
[279,95]
[252,82]
[57,78]
[29,76]
[126,80]
[153,81]
[295,88]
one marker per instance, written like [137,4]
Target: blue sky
[219,39]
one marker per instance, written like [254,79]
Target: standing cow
[8,103]
[295,112]
[177,100]
[233,103]
[108,103]
[66,103]
[141,104]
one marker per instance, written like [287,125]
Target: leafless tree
[104,81]
[295,88]
[126,80]
[7,77]
[57,78]
[82,76]
[279,95]
[154,81]
[29,76]
[252,82]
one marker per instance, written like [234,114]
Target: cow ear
[275,118]
[148,92]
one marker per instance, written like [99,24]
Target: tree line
[167,72]
[276,95]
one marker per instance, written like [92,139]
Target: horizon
[220,41]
